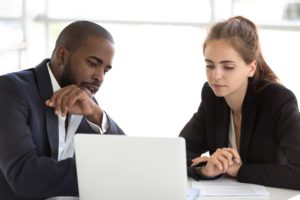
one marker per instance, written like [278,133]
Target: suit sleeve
[29,174]
[110,126]
[284,170]
[113,128]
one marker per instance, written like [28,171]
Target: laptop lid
[113,167]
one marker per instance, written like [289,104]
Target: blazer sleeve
[112,129]
[194,131]
[28,173]
[282,167]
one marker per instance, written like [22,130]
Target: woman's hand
[199,159]
[233,170]
[225,160]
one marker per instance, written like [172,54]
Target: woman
[247,120]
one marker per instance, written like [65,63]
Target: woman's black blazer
[270,134]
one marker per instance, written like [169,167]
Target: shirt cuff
[104,124]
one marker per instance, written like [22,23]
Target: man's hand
[72,99]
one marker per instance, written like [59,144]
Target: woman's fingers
[224,158]
[199,159]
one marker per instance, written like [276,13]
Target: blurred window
[12,43]
[158,70]
[132,10]
[268,11]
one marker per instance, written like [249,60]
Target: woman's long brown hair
[242,34]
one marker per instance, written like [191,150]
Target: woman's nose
[217,74]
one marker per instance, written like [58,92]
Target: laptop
[113,167]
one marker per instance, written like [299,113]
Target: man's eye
[91,63]
[106,70]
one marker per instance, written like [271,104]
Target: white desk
[275,194]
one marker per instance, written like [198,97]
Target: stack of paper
[192,193]
[297,197]
[228,187]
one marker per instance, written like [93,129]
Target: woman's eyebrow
[222,62]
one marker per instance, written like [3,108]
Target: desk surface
[275,194]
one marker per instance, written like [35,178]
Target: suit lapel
[248,116]
[222,123]
[46,91]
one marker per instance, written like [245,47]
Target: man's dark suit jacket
[29,139]
[270,134]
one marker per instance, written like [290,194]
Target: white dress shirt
[232,141]
[66,140]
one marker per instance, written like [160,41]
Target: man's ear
[61,54]
[252,68]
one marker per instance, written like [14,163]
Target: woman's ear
[252,68]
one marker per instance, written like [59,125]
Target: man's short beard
[67,77]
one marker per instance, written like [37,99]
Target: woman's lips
[217,86]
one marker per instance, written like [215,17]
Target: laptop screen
[113,167]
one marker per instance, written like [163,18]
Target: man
[43,107]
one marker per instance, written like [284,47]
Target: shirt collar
[54,82]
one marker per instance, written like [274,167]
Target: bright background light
[158,70]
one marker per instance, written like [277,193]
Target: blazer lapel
[46,91]
[248,116]
[222,123]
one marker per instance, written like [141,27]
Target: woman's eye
[209,66]
[228,67]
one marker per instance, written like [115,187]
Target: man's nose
[99,74]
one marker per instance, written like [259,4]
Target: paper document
[297,197]
[192,193]
[228,187]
